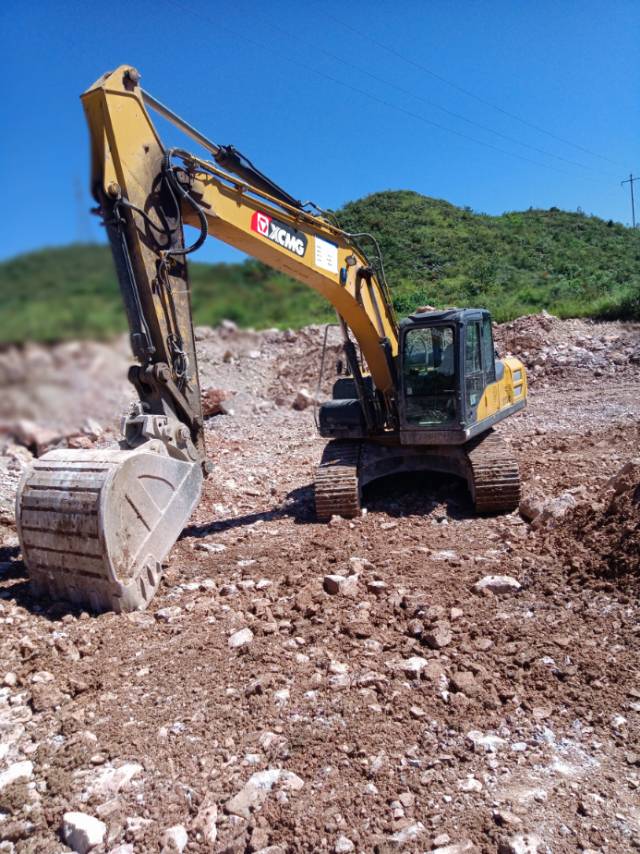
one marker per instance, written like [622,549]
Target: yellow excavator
[422,394]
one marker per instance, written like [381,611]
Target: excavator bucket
[95,526]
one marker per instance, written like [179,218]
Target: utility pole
[630,181]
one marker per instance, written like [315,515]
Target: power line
[409,61]
[426,101]
[298,64]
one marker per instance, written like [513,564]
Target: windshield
[429,375]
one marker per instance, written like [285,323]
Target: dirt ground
[408,711]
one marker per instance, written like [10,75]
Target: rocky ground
[358,686]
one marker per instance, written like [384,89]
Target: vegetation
[519,263]
[434,253]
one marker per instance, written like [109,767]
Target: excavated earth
[251,709]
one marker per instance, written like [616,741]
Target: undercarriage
[485,463]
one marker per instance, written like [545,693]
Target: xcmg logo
[278,232]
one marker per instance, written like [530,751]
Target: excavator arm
[95,526]
[146,193]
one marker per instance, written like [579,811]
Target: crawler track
[494,478]
[337,491]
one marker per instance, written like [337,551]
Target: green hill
[434,252]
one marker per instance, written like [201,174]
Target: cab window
[429,374]
[488,351]
[474,375]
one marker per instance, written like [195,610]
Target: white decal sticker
[326,255]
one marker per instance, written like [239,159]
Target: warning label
[326,255]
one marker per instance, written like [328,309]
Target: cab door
[474,377]
[491,402]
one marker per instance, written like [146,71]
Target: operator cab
[445,363]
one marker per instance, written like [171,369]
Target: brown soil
[324,689]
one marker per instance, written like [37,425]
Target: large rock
[240,638]
[555,510]
[19,772]
[414,666]
[485,742]
[407,836]
[438,636]
[174,840]
[464,847]
[497,584]
[206,822]
[82,832]
[522,843]
[33,436]
[109,781]
[214,402]
[255,791]
[303,399]
[345,585]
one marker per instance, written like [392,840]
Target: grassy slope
[513,264]
[434,253]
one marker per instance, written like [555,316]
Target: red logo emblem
[260,223]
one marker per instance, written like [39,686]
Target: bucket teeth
[95,526]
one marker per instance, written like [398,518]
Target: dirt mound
[602,537]
[552,347]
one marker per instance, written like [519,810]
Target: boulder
[497,584]
[82,832]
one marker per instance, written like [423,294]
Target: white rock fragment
[281,696]
[406,836]
[378,588]
[618,721]
[109,780]
[168,615]
[522,843]
[485,743]
[345,585]
[343,845]
[82,832]
[213,548]
[175,839]
[19,772]
[240,638]
[466,846]
[497,584]
[470,784]
[254,792]
[414,666]
[206,822]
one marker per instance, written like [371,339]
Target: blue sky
[496,105]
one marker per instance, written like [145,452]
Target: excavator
[422,394]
